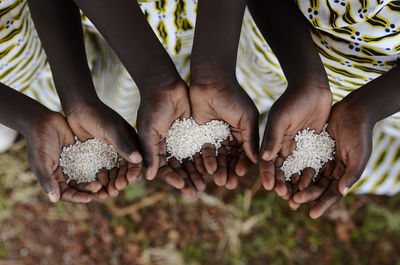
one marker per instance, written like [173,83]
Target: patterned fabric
[356,40]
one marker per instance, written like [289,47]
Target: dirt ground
[149,223]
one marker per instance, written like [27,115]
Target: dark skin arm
[46,133]
[60,30]
[350,124]
[307,100]
[164,95]
[216,94]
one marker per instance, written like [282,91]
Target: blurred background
[149,223]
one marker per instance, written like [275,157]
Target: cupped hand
[97,120]
[351,128]
[303,105]
[230,103]
[47,136]
[159,108]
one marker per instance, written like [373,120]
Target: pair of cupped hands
[304,104]
[159,108]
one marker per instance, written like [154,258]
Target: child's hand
[230,103]
[159,108]
[351,128]
[307,104]
[47,136]
[97,120]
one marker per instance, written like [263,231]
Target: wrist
[308,73]
[211,73]
[38,120]
[318,85]
[74,104]
[163,86]
[355,108]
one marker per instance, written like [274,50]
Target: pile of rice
[81,161]
[185,137]
[312,151]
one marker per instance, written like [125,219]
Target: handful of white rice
[312,151]
[185,137]
[81,161]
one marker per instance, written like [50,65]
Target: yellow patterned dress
[357,40]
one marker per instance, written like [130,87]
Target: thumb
[50,185]
[251,138]
[350,176]
[126,143]
[150,147]
[273,138]
[42,168]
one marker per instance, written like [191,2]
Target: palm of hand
[231,104]
[353,135]
[305,106]
[101,122]
[44,146]
[157,111]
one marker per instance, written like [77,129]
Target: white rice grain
[312,151]
[185,137]
[81,161]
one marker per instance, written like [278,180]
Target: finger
[273,138]
[91,187]
[221,175]
[126,142]
[195,177]
[189,191]
[111,189]
[102,176]
[134,171]
[350,176]
[198,162]
[313,192]
[48,181]
[306,178]
[171,177]
[267,172]
[293,205]
[295,179]
[71,195]
[209,158]
[150,148]
[121,181]
[102,194]
[251,137]
[243,164]
[233,180]
[280,183]
[329,198]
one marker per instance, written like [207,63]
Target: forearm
[124,26]
[60,30]
[287,32]
[18,111]
[216,40]
[379,98]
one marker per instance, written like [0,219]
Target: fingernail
[52,196]
[345,191]
[149,174]
[135,158]
[266,156]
